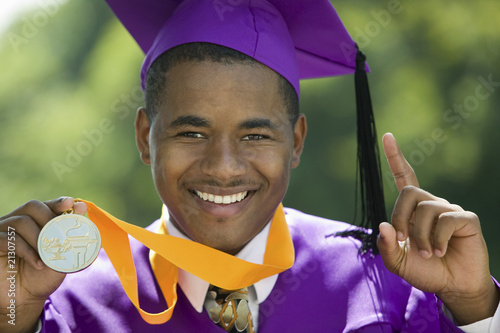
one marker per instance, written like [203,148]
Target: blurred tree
[71,88]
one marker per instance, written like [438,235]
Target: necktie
[231,312]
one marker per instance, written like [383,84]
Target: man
[221,132]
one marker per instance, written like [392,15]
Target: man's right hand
[34,282]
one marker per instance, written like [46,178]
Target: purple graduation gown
[330,288]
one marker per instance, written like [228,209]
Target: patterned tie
[232,312]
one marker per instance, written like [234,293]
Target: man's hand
[436,246]
[34,282]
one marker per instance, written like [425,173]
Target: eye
[194,135]
[254,137]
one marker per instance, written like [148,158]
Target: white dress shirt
[196,289]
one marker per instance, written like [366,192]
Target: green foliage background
[77,70]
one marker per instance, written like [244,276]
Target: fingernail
[424,253]
[39,263]
[438,253]
[401,236]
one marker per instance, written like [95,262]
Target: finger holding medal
[23,274]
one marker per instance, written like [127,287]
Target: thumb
[392,254]
[63,204]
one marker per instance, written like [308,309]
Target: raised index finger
[401,170]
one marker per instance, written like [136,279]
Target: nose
[223,160]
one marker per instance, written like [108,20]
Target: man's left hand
[436,246]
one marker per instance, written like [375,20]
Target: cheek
[273,164]
[169,165]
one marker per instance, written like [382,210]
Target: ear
[142,127]
[299,134]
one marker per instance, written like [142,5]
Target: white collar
[196,289]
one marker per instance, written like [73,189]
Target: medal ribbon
[169,253]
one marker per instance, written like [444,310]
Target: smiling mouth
[222,199]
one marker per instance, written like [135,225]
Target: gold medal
[69,243]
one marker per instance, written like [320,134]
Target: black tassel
[368,170]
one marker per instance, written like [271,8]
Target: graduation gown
[330,288]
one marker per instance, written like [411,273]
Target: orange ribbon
[169,253]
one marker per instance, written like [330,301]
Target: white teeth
[222,199]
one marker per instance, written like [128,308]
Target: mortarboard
[298,39]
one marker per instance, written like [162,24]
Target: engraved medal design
[69,243]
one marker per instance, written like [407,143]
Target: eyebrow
[257,123]
[194,121]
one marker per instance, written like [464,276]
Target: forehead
[236,89]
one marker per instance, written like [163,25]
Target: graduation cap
[298,39]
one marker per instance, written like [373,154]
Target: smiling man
[222,132]
[221,144]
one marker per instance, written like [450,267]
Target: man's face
[221,149]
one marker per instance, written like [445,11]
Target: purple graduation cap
[298,39]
